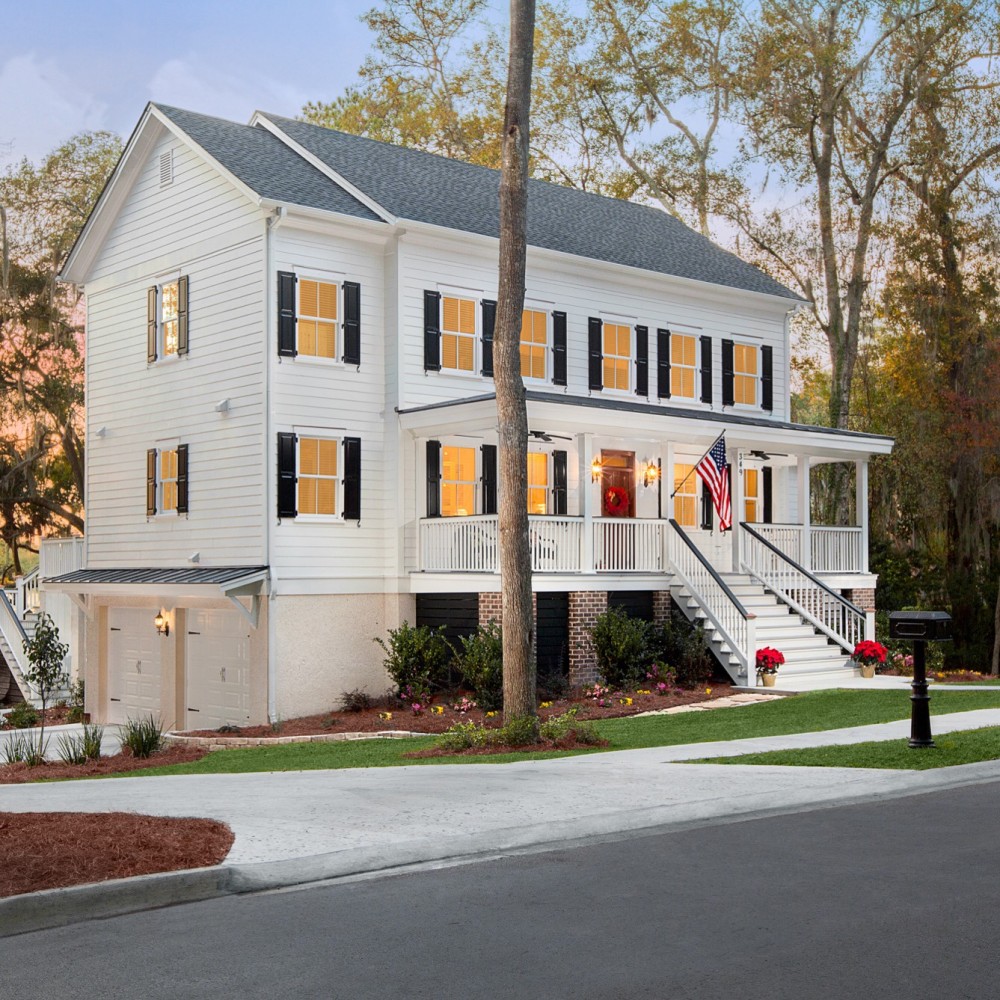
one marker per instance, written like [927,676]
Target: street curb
[59,907]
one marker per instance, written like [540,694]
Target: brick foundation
[662,605]
[584,608]
[862,597]
[491,610]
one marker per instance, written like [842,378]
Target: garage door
[134,651]
[218,669]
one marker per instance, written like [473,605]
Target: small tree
[45,674]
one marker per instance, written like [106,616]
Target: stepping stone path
[733,701]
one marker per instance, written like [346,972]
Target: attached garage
[135,667]
[217,667]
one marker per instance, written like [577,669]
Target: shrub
[519,731]
[78,748]
[463,736]
[22,716]
[143,737]
[76,693]
[623,646]
[567,724]
[415,658]
[682,645]
[45,655]
[356,700]
[24,748]
[481,662]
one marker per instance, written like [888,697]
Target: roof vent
[166,168]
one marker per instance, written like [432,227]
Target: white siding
[343,400]
[141,404]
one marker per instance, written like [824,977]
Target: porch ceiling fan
[546,436]
[764,455]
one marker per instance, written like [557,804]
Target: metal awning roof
[204,581]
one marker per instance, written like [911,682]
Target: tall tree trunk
[512,413]
[995,665]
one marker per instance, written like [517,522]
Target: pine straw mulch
[58,849]
[369,720]
[55,770]
[569,742]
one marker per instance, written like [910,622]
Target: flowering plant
[464,705]
[768,660]
[870,653]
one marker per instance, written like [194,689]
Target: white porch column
[804,511]
[585,449]
[736,500]
[861,509]
[667,486]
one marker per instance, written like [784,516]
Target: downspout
[272,223]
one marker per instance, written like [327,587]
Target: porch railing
[832,549]
[732,622]
[630,545]
[799,589]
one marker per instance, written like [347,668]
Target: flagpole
[696,464]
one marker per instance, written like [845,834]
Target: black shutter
[286,316]
[596,350]
[767,378]
[433,478]
[151,301]
[182,315]
[559,348]
[707,511]
[642,360]
[182,479]
[768,494]
[150,482]
[352,479]
[728,393]
[489,322]
[663,364]
[287,444]
[706,369]
[352,324]
[432,332]
[489,455]
[560,478]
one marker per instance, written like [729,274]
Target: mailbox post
[921,627]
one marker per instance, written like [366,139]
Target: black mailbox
[923,626]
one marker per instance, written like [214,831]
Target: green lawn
[814,712]
[966,747]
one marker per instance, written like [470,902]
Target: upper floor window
[617,356]
[534,344]
[316,318]
[458,481]
[683,365]
[167,480]
[686,496]
[318,476]
[167,319]
[745,374]
[538,482]
[458,333]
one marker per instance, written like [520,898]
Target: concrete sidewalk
[302,826]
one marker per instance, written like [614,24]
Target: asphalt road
[894,899]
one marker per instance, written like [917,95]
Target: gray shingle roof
[423,187]
[186,575]
[265,164]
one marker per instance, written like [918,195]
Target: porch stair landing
[812,661]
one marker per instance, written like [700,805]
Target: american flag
[715,472]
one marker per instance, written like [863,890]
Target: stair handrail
[731,619]
[15,636]
[25,586]
[836,617]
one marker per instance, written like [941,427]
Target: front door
[618,484]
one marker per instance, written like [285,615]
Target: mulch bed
[54,770]
[569,742]
[57,849]
[944,677]
[368,720]
[54,716]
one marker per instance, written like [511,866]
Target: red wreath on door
[616,500]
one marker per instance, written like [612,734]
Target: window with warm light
[169,318]
[458,481]
[617,356]
[534,343]
[318,476]
[751,495]
[745,374]
[683,355]
[686,496]
[316,318]
[458,334]
[168,481]
[538,482]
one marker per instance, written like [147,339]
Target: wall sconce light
[595,470]
[161,623]
[650,474]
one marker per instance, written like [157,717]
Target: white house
[291,429]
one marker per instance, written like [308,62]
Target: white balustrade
[556,544]
[59,555]
[837,550]
[629,545]
[460,544]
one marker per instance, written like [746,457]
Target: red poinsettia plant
[768,660]
[870,653]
